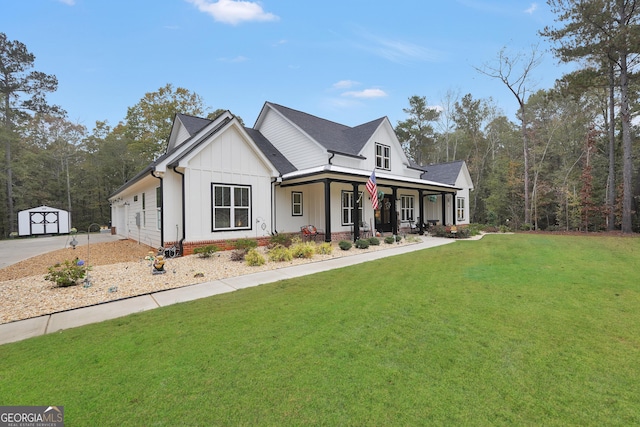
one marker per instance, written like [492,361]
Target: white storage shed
[43,220]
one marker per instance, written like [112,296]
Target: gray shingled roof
[275,157]
[193,124]
[445,173]
[333,136]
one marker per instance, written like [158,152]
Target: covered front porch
[327,200]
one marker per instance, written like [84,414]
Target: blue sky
[350,61]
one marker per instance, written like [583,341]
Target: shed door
[44,222]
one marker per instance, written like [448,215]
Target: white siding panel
[172,205]
[293,144]
[227,159]
[384,135]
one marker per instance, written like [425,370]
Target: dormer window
[383,157]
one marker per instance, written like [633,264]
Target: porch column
[327,210]
[421,211]
[355,217]
[453,209]
[444,208]
[394,213]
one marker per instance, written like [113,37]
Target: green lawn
[509,330]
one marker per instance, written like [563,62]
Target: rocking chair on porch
[309,232]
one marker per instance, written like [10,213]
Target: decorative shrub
[442,231]
[324,248]
[398,238]
[206,251]
[345,245]
[237,255]
[67,273]
[389,240]
[303,250]
[246,244]
[463,233]
[362,243]
[374,241]
[280,253]
[439,231]
[280,239]
[254,258]
[504,229]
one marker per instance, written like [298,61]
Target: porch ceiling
[350,176]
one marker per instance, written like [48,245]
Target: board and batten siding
[302,152]
[384,135]
[228,159]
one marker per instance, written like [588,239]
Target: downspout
[161,208]
[331,158]
[277,180]
[184,220]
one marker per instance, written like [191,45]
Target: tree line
[566,164]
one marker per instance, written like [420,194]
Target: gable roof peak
[332,136]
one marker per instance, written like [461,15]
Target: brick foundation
[229,244]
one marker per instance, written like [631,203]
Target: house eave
[341,173]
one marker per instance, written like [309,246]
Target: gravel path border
[33,296]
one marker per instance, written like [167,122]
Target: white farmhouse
[219,181]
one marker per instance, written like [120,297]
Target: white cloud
[68,2]
[233,11]
[532,8]
[398,51]
[367,93]
[345,84]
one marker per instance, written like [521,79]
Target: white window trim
[349,209]
[232,207]
[460,210]
[295,204]
[383,160]
[407,208]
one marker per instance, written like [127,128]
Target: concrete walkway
[23,329]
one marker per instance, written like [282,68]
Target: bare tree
[515,72]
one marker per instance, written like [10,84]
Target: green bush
[67,273]
[345,245]
[303,250]
[398,238]
[206,251]
[254,258]
[362,243]
[280,253]
[280,239]
[475,229]
[246,244]
[374,241]
[389,240]
[324,248]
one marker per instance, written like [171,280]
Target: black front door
[383,215]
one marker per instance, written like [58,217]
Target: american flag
[372,188]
